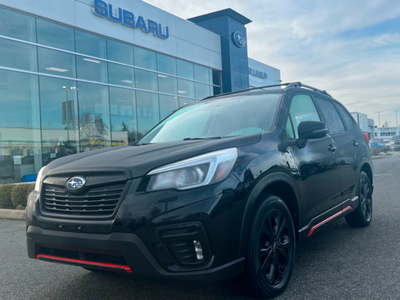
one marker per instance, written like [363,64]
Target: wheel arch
[367,169]
[279,184]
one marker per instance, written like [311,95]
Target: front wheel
[362,216]
[270,250]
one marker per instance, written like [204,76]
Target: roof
[221,13]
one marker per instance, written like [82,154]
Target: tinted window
[55,35]
[94,116]
[90,44]
[166,64]
[91,69]
[17,25]
[121,75]
[120,52]
[17,55]
[331,116]
[123,116]
[145,58]
[185,69]
[348,119]
[167,84]
[56,62]
[302,109]
[146,80]
[202,74]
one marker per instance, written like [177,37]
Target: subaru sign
[239,39]
[127,18]
[257,73]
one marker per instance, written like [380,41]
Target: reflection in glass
[168,104]
[91,69]
[54,35]
[19,126]
[17,55]
[185,69]
[202,74]
[147,110]
[166,64]
[123,116]
[146,80]
[203,90]
[56,62]
[59,118]
[90,44]
[120,52]
[185,88]
[94,116]
[121,75]
[185,101]
[17,25]
[145,58]
[167,84]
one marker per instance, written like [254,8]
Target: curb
[12,214]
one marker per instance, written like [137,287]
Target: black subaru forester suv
[221,188]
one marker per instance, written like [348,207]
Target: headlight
[194,172]
[39,180]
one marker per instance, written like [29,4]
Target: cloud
[348,48]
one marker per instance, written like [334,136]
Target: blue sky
[349,48]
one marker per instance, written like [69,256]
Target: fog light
[198,249]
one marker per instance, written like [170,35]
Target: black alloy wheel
[362,216]
[271,249]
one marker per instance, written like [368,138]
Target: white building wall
[186,40]
[261,74]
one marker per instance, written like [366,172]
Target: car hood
[137,160]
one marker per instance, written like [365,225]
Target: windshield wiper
[204,138]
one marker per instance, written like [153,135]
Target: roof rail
[250,89]
[299,84]
[288,85]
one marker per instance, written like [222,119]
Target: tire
[270,249]
[362,215]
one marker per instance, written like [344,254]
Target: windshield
[218,118]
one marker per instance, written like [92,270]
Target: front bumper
[138,259]
[151,233]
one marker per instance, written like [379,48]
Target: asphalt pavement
[336,263]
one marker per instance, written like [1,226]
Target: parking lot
[337,263]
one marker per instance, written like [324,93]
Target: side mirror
[309,130]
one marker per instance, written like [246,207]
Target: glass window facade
[65,91]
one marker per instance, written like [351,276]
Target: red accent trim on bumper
[84,262]
[328,219]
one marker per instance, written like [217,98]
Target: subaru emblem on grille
[75,183]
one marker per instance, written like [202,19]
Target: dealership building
[79,75]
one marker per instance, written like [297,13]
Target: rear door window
[348,119]
[331,116]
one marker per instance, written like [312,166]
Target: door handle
[355,143]
[332,148]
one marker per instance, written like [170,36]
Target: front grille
[96,201]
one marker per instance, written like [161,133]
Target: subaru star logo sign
[75,183]
[239,39]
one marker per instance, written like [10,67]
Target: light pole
[379,118]
[67,107]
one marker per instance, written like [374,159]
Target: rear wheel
[270,250]
[362,216]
